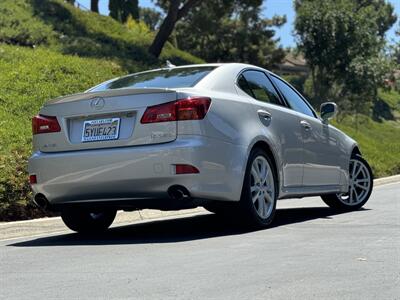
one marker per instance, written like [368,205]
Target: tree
[176,10]
[150,17]
[398,46]
[120,10]
[340,39]
[94,5]
[226,31]
[398,30]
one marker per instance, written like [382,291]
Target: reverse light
[186,169]
[45,124]
[193,108]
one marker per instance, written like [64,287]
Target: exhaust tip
[178,192]
[41,201]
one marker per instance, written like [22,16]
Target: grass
[379,142]
[31,76]
[19,26]
[392,98]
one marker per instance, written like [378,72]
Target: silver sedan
[232,138]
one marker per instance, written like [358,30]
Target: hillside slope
[379,142]
[63,28]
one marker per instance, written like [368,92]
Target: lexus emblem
[97,103]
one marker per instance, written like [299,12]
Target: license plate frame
[99,130]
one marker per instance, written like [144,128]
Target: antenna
[169,64]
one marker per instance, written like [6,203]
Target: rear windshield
[166,78]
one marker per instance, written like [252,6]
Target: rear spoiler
[107,93]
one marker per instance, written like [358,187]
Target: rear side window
[258,86]
[166,78]
[291,96]
[244,86]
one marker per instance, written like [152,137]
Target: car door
[322,153]
[279,124]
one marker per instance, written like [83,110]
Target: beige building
[293,65]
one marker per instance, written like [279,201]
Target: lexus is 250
[233,138]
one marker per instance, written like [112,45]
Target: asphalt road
[310,253]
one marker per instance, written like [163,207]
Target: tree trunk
[174,14]
[321,85]
[94,6]
[162,35]
[314,84]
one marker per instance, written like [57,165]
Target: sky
[270,8]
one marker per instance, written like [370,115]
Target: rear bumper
[140,172]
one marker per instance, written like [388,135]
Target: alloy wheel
[262,187]
[360,182]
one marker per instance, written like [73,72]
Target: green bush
[15,190]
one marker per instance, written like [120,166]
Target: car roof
[219,79]
[217,65]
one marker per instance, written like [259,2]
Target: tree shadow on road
[180,229]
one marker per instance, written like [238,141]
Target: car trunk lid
[115,114]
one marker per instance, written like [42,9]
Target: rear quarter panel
[233,120]
[228,124]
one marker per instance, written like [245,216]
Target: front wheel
[84,221]
[260,190]
[360,187]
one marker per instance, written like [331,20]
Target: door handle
[305,124]
[264,114]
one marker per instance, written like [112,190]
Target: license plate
[100,130]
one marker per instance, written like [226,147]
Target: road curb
[386,180]
[145,214]
[54,225]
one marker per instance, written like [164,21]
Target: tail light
[194,108]
[45,124]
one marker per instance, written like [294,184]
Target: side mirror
[328,111]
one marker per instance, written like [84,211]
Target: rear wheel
[260,190]
[360,187]
[84,221]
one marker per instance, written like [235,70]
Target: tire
[258,199]
[360,187]
[84,221]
